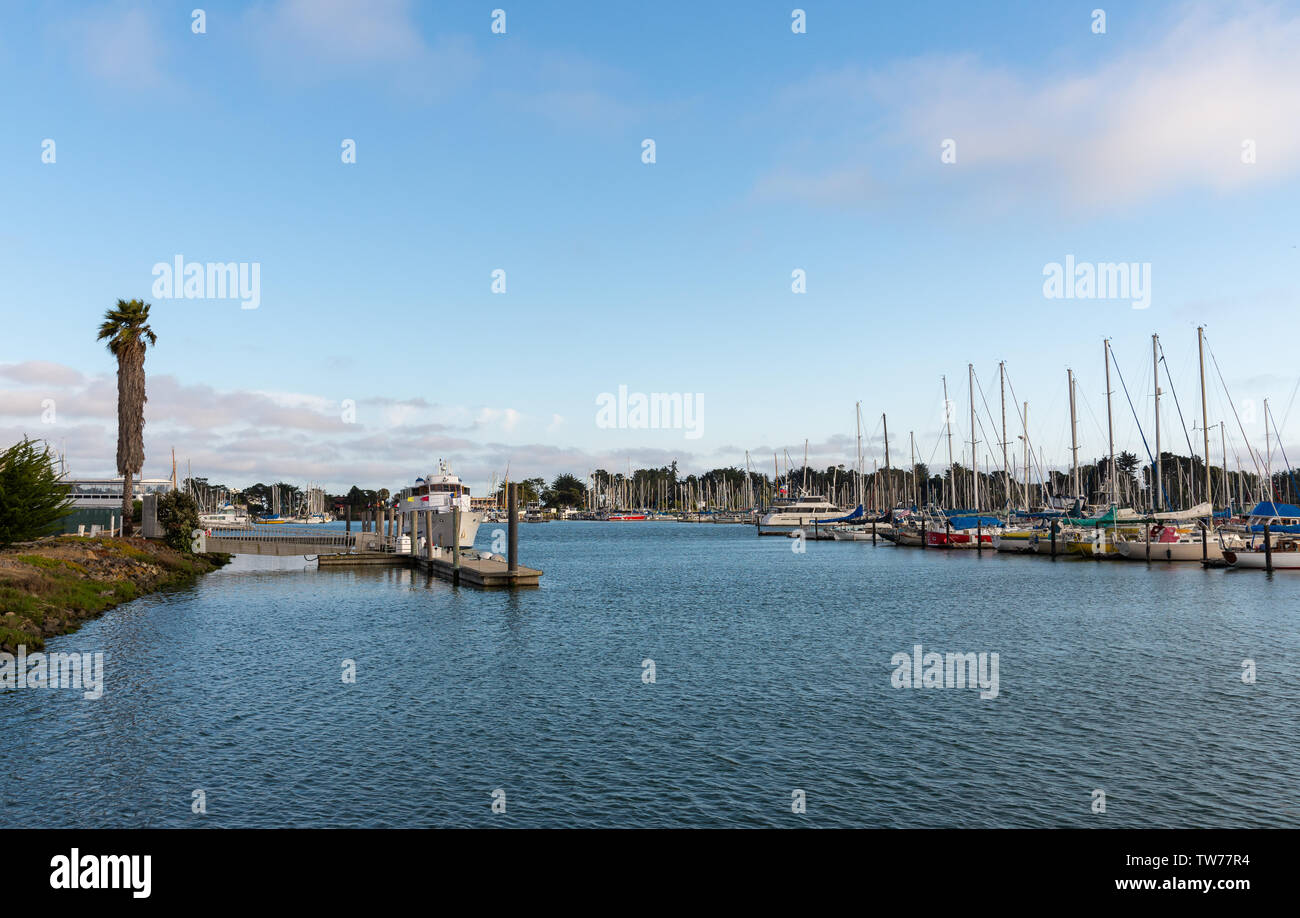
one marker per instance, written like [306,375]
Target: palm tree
[126,328]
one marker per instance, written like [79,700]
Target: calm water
[772,673]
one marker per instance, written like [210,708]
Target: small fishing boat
[1017,539]
[964,532]
[1167,543]
[1285,556]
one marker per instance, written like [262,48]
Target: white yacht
[226,515]
[441,494]
[790,515]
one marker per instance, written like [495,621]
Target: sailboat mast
[884,420]
[947,418]
[1227,490]
[912,436]
[857,410]
[1205,422]
[1074,434]
[1027,506]
[1006,470]
[1156,493]
[1268,454]
[974,460]
[1110,426]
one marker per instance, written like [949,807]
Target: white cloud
[319,41]
[121,47]
[1155,118]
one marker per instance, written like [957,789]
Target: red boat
[962,531]
[620,517]
[956,539]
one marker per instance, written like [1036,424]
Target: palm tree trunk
[128,506]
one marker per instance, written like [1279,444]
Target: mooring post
[923,538]
[512,542]
[1205,548]
[428,535]
[873,532]
[1053,531]
[979,534]
[1268,550]
[349,519]
[1148,529]
[455,544]
[415,533]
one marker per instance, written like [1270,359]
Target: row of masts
[1021,482]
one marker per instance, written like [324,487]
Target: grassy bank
[51,586]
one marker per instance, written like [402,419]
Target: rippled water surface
[772,674]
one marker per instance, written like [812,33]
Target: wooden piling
[455,544]
[1268,549]
[512,544]
[428,534]
[348,526]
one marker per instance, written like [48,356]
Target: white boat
[223,516]
[796,514]
[1283,521]
[861,533]
[441,495]
[1169,544]
[1017,539]
[1285,556]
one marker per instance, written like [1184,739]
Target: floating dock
[482,572]
[389,546]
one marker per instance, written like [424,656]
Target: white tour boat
[441,494]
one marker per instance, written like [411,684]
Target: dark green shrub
[32,498]
[178,515]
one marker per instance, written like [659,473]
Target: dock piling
[455,545]
[512,544]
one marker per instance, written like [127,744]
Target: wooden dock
[480,572]
[456,564]
[487,573]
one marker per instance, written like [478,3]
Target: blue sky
[521,151]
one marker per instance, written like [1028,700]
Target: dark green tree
[178,515]
[32,499]
[565,491]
